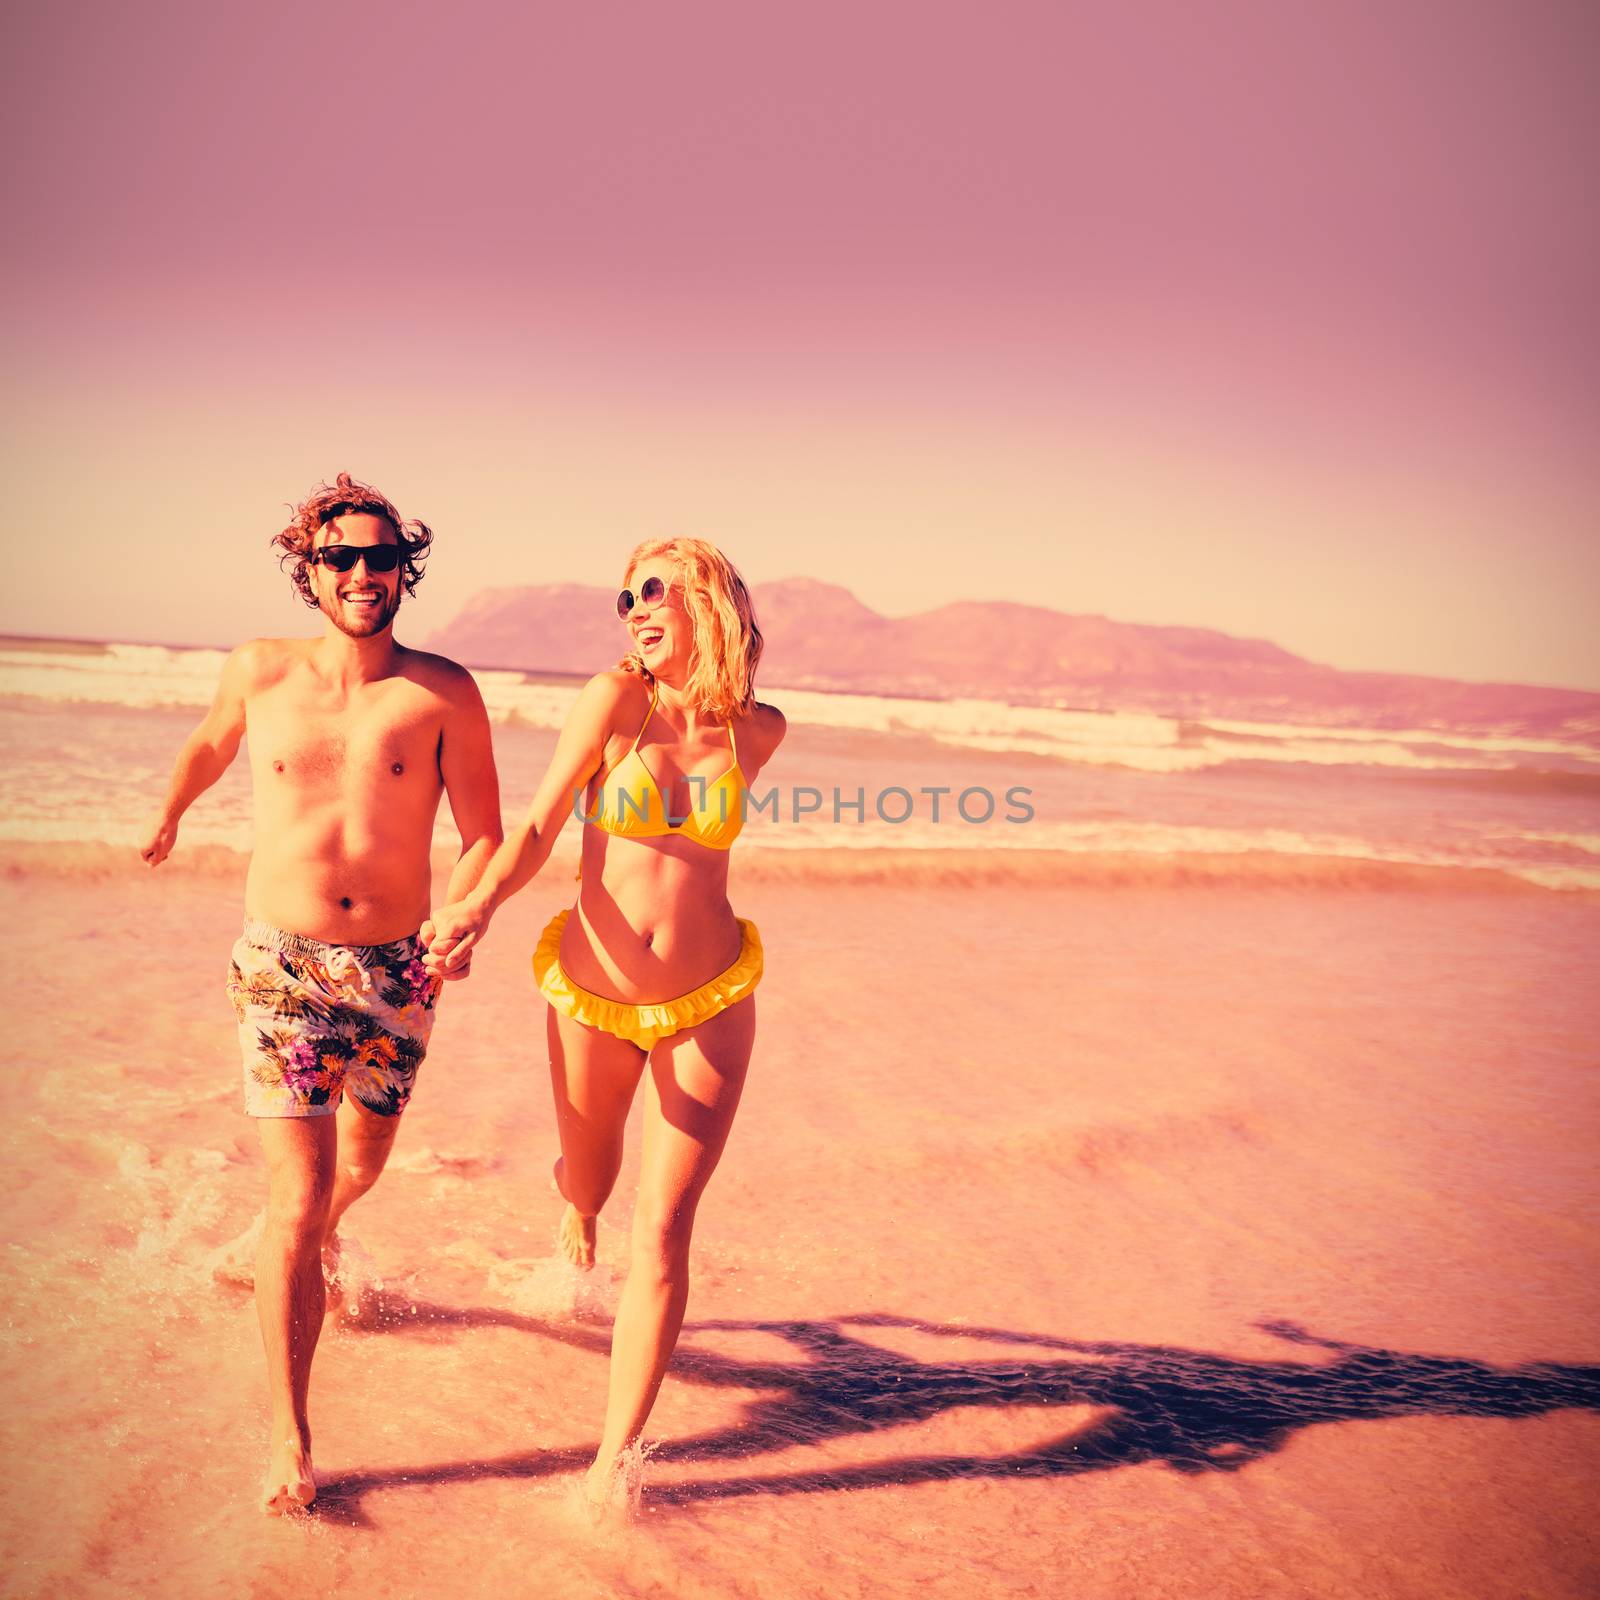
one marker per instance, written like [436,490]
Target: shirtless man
[353,738]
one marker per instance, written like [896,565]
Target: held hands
[450,934]
[158,842]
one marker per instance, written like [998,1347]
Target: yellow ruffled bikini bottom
[643,1025]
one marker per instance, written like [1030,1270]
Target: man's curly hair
[334,500]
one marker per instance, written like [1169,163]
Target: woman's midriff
[651,923]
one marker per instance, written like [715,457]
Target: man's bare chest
[383,734]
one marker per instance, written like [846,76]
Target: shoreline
[1013,869]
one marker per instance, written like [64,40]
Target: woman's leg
[593,1077]
[696,1078]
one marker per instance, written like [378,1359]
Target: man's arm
[466,763]
[206,754]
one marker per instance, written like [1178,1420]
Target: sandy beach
[1110,1238]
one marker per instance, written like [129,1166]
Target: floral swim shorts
[318,1019]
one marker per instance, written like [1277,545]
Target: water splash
[552,1287]
[235,1262]
[423,1161]
[619,1504]
[353,1280]
[173,1202]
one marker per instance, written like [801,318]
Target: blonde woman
[650,967]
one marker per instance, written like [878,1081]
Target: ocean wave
[1551,858]
[123,833]
[1124,841]
[1531,781]
[1023,869]
[1131,740]
[159,676]
[139,676]
[232,830]
[1501,744]
[1189,754]
[1589,843]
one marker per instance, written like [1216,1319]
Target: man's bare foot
[576,1234]
[235,1262]
[290,1484]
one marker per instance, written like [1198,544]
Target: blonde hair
[726,641]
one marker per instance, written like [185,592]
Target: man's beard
[372,622]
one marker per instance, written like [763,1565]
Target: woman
[651,965]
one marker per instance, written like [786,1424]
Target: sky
[1273,319]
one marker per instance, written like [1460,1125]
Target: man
[353,738]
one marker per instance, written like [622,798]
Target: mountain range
[819,636]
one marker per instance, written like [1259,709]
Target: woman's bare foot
[613,1485]
[599,1484]
[576,1234]
[576,1237]
[290,1484]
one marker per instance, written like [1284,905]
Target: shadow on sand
[1190,1409]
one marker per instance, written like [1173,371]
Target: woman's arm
[759,743]
[454,929]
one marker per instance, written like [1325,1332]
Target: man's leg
[365,1140]
[364,1143]
[290,1300]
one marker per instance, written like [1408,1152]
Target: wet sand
[1104,1238]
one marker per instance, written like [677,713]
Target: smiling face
[359,602]
[662,631]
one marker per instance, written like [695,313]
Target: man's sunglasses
[651,591]
[343,557]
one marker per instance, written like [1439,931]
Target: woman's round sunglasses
[343,557]
[651,592]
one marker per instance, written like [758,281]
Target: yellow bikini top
[632,806]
